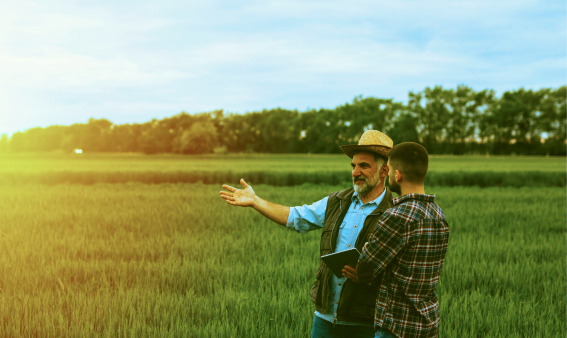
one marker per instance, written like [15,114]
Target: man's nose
[355,171]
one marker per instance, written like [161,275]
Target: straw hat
[371,140]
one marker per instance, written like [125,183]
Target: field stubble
[173,260]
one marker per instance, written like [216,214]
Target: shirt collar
[420,197]
[377,200]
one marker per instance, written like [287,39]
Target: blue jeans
[325,329]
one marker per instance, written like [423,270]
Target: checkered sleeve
[384,243]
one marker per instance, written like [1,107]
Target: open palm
[240,197]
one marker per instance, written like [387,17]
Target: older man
[344,307]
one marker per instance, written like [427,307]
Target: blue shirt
[312,217]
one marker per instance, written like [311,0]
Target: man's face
[394,186]
[365,173]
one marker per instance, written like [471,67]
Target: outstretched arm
[247,198]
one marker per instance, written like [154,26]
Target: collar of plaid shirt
[419,197]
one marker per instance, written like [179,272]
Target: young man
[345,308]
[408,247]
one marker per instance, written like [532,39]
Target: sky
[63,62]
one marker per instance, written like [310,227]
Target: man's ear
[398,176]
[384,170]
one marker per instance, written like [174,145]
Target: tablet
[336,261]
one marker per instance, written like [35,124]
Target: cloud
[132,60]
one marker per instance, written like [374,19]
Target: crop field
[174,260]
[32,163]
[277,170]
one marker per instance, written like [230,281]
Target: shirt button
[355,226]
[362,208]
[349,245]
[339,284]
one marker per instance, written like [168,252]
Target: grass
[34,163]
[459,178]
[279,170]
[173,260]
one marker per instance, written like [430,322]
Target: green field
[34,163]
[278,170]
[173,260]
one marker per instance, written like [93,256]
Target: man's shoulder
[406,212]
[415,210]
[335,200]
[342,194]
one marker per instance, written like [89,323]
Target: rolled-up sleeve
[307,217]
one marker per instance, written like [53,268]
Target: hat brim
[349,150]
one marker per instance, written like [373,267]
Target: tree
[465,106]
[124,137]
[512,122]
[364,114]
[201,138]
[445,121]
[156,137]
[551,121]
[433,113]
[404,129]
[276,131]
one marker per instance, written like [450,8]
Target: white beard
[368,185]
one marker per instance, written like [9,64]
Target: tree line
[446,121]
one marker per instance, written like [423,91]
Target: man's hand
[240,197]
[350,273]
[247,198]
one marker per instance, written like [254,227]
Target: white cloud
[155,59]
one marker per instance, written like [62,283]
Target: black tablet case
[336,261]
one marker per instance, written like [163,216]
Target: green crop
[101,162]
[280,170]
[174,260]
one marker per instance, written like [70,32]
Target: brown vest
[357,301]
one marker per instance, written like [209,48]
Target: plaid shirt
[409,245]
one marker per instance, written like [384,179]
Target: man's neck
[372,195]
[411,189]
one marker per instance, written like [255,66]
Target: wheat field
[173,260]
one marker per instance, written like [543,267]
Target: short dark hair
[376,155]
[413,160]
